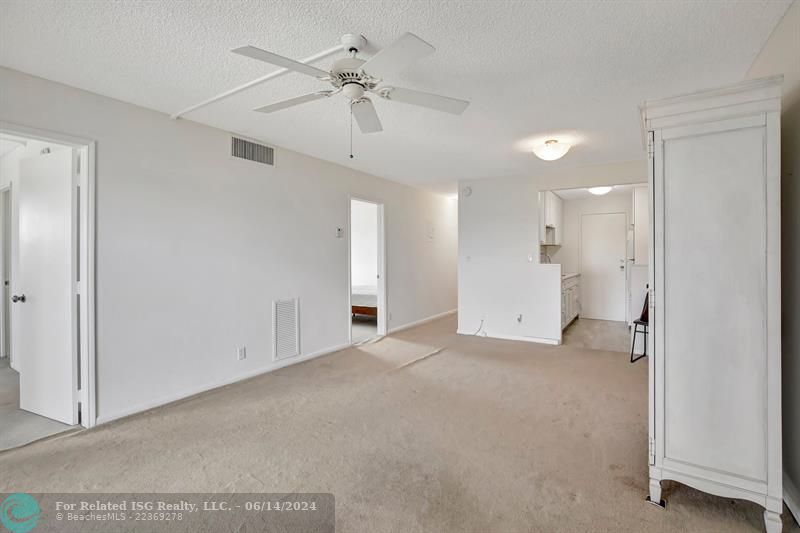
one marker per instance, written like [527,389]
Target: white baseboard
[139,408]
[791,495]
[423,321]
[539,340]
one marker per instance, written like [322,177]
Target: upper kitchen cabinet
[551,218]
[641,222]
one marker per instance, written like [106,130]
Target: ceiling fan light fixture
[353,91]
[551,150]
[600,191]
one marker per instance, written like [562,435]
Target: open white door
[603,266]
[44,295]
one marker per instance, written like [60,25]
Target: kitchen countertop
[569,275]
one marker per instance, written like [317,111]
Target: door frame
[83,242]
[5,273]
[624,293]
[382,318]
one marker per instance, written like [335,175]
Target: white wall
[364,243]
[499,275]
[780,56]
[193,246]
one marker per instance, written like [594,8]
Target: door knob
[20,298]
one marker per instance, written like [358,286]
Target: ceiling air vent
[251,151]
[285,329]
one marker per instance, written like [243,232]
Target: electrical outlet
[241,353]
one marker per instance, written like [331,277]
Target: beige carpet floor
[487,435]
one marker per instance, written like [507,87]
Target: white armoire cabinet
[715,368]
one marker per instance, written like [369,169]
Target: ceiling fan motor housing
[346,74]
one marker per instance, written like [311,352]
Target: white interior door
[43,340]
[603,243]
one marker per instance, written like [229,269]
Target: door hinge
[650,147]
[78,165]
[651,450]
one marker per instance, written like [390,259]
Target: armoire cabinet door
[711,282]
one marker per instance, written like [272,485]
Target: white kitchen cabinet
[715,342]
[570,300]
[542,217]
[641,225]
[551,216]
[557,218]
[576,306]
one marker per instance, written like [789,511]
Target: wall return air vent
[285,329]
[251,151]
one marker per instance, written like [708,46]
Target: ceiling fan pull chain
[351,130]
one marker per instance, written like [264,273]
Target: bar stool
[642,321]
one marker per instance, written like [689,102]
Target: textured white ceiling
[531,69]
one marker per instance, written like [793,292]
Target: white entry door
[43,300]
[603,242]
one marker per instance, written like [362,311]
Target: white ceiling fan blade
[432,101]
[297,100]
[275,59]
[366,116]
[406,50]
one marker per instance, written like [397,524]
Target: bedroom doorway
[47,234]
[367,279]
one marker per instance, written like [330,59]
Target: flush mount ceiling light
[551,150]
[599,191]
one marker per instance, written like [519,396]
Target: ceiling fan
[354,77]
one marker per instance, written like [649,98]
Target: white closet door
[711,281]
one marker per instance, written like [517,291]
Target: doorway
[367,280]
[47,308]
[600,240]
[603,263]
